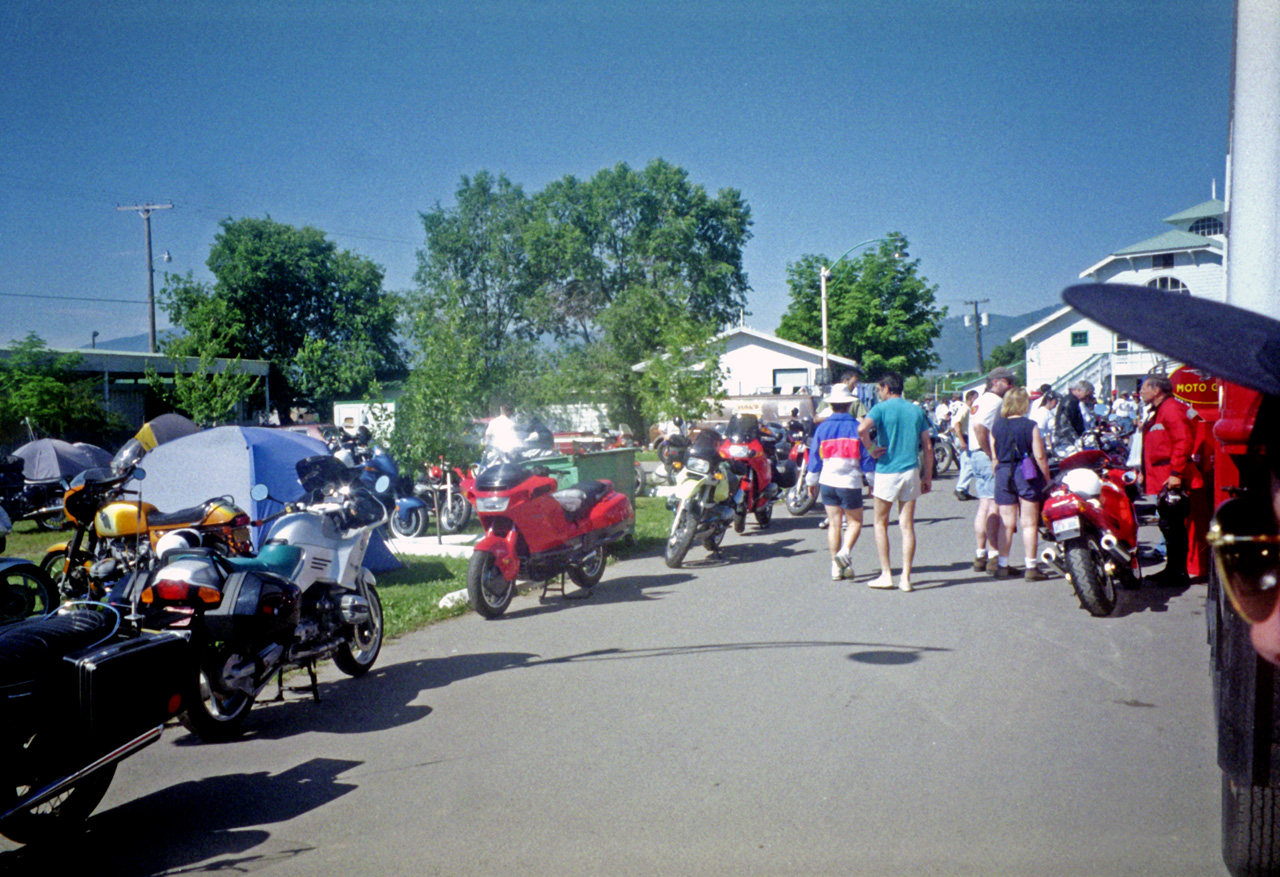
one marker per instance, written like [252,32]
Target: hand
[813,490]
[926,485]
[1174,482]
[877,452]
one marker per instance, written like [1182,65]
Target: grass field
[410,596]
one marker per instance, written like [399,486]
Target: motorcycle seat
[193,515]
[578,500]
[30,648]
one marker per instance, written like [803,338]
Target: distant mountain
[132,343]
[957,349]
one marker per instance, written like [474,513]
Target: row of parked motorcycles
[173,615]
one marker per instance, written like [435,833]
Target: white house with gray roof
[1187,259]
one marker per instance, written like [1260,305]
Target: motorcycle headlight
[492,503]
[699,466]
[740,452]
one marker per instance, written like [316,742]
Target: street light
[824,275]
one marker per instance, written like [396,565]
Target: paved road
[740,716]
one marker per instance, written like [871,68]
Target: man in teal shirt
[901,449]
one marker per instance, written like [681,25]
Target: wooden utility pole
[977,327]
[144,210]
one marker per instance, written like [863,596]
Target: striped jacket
[835,456]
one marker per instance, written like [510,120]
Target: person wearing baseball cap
[986,521]
[1243,347]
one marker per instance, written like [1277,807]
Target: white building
[756,362]
[1188,259]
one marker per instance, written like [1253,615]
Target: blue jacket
[835,454]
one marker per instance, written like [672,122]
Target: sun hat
[1228,342]
[840,395]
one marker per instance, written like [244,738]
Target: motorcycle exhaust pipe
[1051,556]
[1114,548]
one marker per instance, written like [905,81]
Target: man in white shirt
[983,415]
[501,434]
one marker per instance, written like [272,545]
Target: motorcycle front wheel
[764,516]
[942,458]
[410,525]
[489,593]
[1089,578]
[798,499]
[681,538]
[26,591]
[58,817]
[355,656]
[457,514]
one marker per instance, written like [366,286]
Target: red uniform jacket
[1167,443]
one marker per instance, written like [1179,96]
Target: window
[1122,345]
[1162,260]
[1207,226]
[1170,284]
[1080,339]
[790,379]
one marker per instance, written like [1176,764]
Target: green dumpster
[618,466]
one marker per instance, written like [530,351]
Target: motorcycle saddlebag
[128,686]
[785,474]
[257,607]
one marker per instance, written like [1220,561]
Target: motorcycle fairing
[503,549]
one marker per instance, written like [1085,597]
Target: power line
[122,301]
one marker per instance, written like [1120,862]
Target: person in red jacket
[1169,473]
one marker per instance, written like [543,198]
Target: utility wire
[122,301]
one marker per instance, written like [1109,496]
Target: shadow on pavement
[172,830]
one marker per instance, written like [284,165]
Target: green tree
[879,312]
[684,377]
[211,392]
[289,296]
[1012,353]
[44,391]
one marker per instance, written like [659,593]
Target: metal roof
[1210,208]
[1171,240]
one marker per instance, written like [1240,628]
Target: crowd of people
[1005,438]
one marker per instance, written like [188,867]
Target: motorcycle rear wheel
[54,819]
[1094,588]
[943,457]
[457,514]
[739,522]
[356,656]
[588,573]
[712,542]
[681,538]
[214,716]
[798,499]
[51,522]
[489,593]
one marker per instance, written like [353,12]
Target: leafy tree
[684,377]
[1012,353]
[43,390]
[879,312]
[289,296]
[210,393]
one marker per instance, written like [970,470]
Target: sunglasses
[1246,551]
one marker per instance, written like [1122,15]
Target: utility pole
[144,210]
[978,320]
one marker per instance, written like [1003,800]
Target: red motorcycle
[753,450]
[1091,528]
[536,532]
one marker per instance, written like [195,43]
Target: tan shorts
[897,486]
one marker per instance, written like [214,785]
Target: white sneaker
[837,571]
[848,572]
[904,585]
[884,581]
[842,557]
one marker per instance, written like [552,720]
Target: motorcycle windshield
[743,429]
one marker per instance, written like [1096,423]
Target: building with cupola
[1186,259]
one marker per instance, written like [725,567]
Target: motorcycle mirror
[381,485]
[259,492]
[139,474]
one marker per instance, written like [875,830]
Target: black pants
[1174,530]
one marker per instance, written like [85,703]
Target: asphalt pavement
[742,715]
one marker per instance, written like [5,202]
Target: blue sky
[1014,142]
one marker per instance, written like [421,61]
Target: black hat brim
[1228,342]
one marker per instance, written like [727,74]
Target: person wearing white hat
[835,478]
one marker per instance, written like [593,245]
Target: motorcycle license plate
[1066,528]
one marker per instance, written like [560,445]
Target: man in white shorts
[901,447]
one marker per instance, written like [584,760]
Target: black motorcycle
[81,691]
[24,500]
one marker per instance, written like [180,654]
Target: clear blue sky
[1014,142]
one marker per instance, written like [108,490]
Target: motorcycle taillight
[179,591]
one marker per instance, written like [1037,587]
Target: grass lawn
[410,596]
